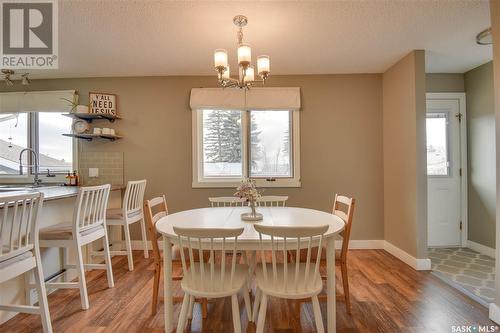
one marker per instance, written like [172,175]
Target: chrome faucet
[36,180]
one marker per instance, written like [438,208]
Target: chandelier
[246,72]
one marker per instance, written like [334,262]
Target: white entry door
[444,223]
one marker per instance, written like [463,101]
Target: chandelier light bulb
[263,64]
[220,58]
[244,55]
[249,75]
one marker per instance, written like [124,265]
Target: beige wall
[405,181]
[481,155]
[444,82]
[341,139]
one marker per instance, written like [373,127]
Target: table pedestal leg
[330,285]
[167,285]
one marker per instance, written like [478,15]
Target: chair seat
[278,290]
[117,214]
[13,260]
[64,231]
[202,287]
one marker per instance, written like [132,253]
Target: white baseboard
[487,251]
[495,313]
[417,264]
[364,244]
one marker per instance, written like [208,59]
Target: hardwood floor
[386,296]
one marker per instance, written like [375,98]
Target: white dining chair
[227,202]
[88,225]
[19,251]
[130,213]
[210,279]
[272,201]
[289,280]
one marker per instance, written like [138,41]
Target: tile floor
[466,270]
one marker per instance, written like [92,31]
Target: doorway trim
[460,97]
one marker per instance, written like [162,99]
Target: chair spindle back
[155,209]
[227,202]
[18,223]
[134,197]
[91,205]
[291,239]
[343,207]
[272,201]
[214,239]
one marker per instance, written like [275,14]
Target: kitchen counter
[51,192]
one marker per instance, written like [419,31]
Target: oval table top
[229,217]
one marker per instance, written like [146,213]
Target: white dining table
[229,217]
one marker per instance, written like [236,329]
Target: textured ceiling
[130,38]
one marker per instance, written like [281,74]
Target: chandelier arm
[227,83]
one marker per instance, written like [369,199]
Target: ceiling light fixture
[25,81]
[246,72]
[484,37]
[8,77]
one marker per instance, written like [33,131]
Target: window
[13,138]
[56,150]
[437,144]
[270,144]
[40,131]
[222,144]
[229,145]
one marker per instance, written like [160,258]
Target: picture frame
[103,103]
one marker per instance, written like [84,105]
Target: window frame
[200,181]
[33,141]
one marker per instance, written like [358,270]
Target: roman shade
[36,101]
[272,98]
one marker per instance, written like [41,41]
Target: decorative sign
[102,103]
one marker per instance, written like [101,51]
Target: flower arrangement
[248,191]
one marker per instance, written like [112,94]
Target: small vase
[253,215]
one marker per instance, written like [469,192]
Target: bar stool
[20,253]
[131,212]
[89,225]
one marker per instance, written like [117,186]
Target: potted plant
[75,107]
[248,191]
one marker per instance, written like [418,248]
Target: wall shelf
[90,137]
[89,117]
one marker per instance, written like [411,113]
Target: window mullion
[33,140]
[246,144]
